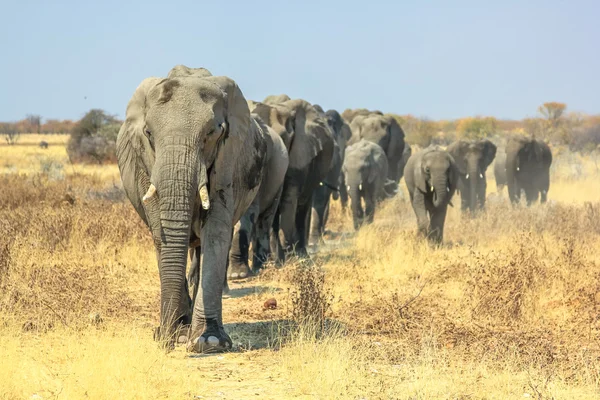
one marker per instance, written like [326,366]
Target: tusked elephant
[500,170]
[431,178]
[255,225]
[528,162]
[366,169]
[191,160]
[311,146]
[472,158]
[333,184]
[385,131]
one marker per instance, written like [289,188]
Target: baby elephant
[365,169]
[431,178]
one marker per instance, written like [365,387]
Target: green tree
[93,138]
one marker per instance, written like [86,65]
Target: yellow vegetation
[506,309]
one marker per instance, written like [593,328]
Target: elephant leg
[288,210]
[207,333]
[465,195]
[436,227]
[303,219]
[418,205]
[319,205]
[531,193]
[261,244]
[343,191]
[275,240]
[240,245]
[514,191]
[544,186]
[370,201]
[481,190]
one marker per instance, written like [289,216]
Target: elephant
[472,158]
[405,156]
[191,160]
[306,133]
[500,170]
[385,131]
[431,178]
[366,169]
[254,226]
[331,186]
[276,99]
[528,162]
[349,114]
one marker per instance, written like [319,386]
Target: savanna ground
[508,308]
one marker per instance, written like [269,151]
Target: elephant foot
[238,271]
[179,338]
[213,340]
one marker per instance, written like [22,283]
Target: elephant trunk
[512,165]
[473,182]
[440,190]
[177,184]
[357,210]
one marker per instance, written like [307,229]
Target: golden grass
[506,308]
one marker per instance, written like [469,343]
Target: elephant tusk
[481,176]
[204,197]
[432,188]
[467,177]
[518,169]
[150,193]
[360,187]
[448,189]
[348,187]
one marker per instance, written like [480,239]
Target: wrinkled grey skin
[349,114]
[500,170]
[180,134]
[472,160]
[405,156]
[254,226]
[528,163]
[431,177]
[276,99]
[306,134]
[366,169]
[332,185]
[386,132]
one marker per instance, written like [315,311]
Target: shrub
[93,138]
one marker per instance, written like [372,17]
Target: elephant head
[472,160]
[436,174]
[280,119]
[527,167]
[276,99]
[385,131]
[175,152]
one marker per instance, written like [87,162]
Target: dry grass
[509,307]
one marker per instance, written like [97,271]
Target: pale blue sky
[438,58]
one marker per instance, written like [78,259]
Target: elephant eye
[427,170]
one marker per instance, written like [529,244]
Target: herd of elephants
[213,174]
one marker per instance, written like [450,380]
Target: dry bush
[59,258]
[310,298]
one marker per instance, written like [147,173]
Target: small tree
[419,131]
[476,127]
[10,132]
[93,138]
[35,122]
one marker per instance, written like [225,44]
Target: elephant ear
[134,151]
[276,99]
[458,151]
[419,174]
[180,71]
[356,129]
[396,144]
[489,153]
[237,114]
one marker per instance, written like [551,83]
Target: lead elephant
[191,160]
[311,145]
[472,158]
[385,131]
[366,170]
[431,178]
[333,184]
[254,226]
[528,162]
